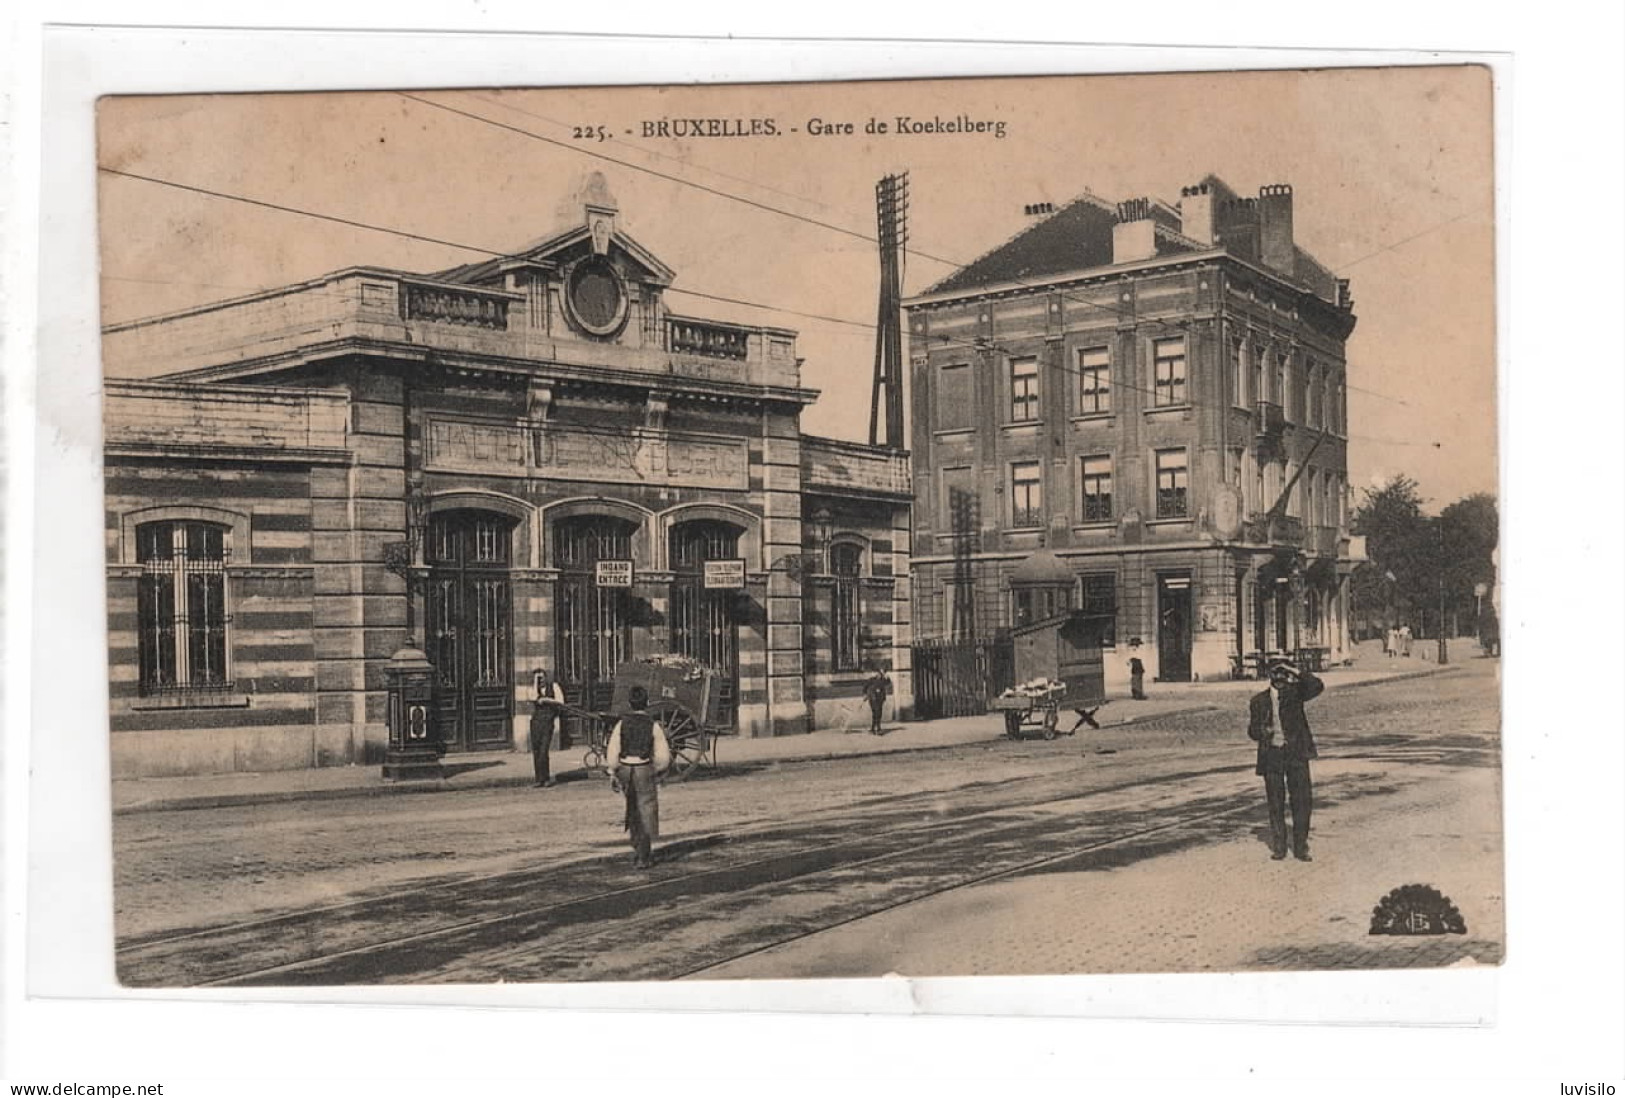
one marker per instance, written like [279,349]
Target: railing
[447,306]
[1274,530]
[707,339]
[830,465]
[960,678]
[380,308]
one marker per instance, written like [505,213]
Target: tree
[1469,532]
[1399,548]
[1420,564]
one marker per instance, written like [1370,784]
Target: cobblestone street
[1135,848]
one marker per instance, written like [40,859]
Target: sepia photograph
[960,527]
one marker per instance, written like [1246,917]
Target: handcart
[1058,665]
[683,698]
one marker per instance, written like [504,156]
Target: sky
[1392,173]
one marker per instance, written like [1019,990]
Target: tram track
[213,956]
[469,930]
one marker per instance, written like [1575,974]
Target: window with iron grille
[1172,501]
[1094,381]
[1026,495]
[846,617]
[1168,366]
[1097,489]
[1281,393]
[1023,390]
[1100,599]
[181,607]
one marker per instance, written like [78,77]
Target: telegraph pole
[891,211]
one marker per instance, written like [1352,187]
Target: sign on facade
[725,574]
[558,451]
[615,573]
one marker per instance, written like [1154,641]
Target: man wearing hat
[1284,764]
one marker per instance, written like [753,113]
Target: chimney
[1196,213]
[1275,248]
[1038,209]
[1135,235]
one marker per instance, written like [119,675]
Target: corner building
[1145,404]
[569,473]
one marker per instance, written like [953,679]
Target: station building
[1138,410]
[522,463]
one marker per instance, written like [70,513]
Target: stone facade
[523,463]
[1157,395]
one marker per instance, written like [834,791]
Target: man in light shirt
[638,753]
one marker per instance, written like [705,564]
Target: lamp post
[1444,650]
[414,746]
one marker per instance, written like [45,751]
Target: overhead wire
[1180,324]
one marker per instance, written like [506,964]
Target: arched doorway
[469,626]
[704,625]
[592,623]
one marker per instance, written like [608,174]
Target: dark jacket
[1297,742]
[875,691]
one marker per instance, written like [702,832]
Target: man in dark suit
[1284,765]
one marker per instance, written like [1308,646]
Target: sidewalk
[513,768]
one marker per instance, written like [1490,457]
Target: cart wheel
[684,734]
[1049,724]
[1012,724]
[592,760]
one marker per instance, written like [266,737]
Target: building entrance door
[592,623]
[470,627]
[704,625]
[1174,627]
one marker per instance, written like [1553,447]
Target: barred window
[181,606]
[1097,489]
[846,619]
[1094,381]
[1168,362]
[1172,500]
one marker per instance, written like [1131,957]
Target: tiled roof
[1075,237]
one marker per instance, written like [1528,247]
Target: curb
[239,800]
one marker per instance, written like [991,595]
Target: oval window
[597,299]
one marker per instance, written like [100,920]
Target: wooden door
[470,627]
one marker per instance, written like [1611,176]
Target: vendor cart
[1058,665]
[683,697]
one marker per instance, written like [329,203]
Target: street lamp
[401,558]
[822,526]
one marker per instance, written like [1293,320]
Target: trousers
[638,783]
[1292,783]
[541,741]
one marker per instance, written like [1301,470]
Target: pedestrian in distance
[1405,641]
[1136,671]
[874,692]
[638,753]
[549,698]
[1390,642]
[1284,765]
